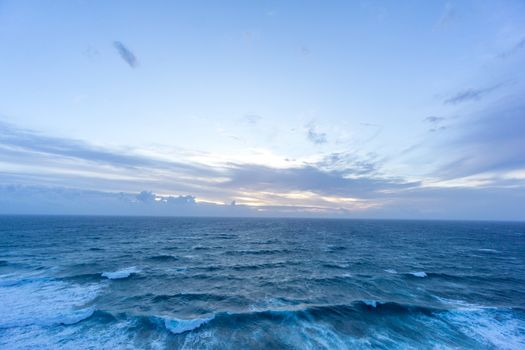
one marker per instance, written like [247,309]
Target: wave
[257,252]
[420,274]
[360,324]
[120,274]
[335,248]
[83,277]
[162,258]
[493,328]
[69,318]
[487,250]
[76,316]
[45,302]
[14,280]
[170,324]
[479,327]
[177,326]
[200,247]
[335,265]
[341,311]
[477,278]
[189,297]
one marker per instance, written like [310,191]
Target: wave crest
[120,274]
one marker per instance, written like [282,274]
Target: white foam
[371,303]
[44,302]
[488,250]
[493,327]
[124,273]
[391,271]
[95,336]
[177,326]
[420,274]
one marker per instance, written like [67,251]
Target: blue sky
[300,108]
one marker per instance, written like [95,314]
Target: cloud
[514,50]
[256,178]
[252,119]
[349,163]
[436,123]
[434,119]
[17,199]
[26,143]
[90,52]
[315,136]
[418,202]
[441,128]
[32,158]
[126,54]
[487,203]
[448,17]
[56,175]
[489,141]
[305,50]
[470,95]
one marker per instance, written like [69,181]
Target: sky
[358,109]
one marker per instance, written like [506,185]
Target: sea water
[212,283]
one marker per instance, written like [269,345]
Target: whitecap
[371,303]
[497,328]
[97,336]
[488,250]
[177,326]
[420,274]
[391,271]
[124,273]
[45,303]
[77,316]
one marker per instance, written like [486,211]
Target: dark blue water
[156,283]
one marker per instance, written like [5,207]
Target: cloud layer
[126,54]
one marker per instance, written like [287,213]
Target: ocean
[228,283]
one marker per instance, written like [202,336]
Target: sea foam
[45,303]
[177,326]
[124,273]
[420,274]
[496,328]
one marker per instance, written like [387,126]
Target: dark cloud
[50,161]
[491,141]
[16,199]
[126,54]
[420,203]
[309,178]
[470,95]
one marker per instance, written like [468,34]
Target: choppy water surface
[155,283]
